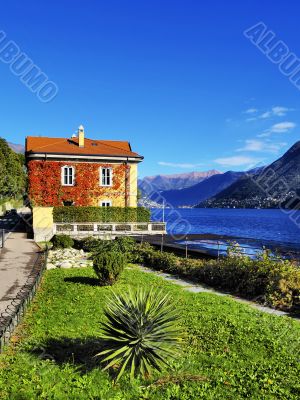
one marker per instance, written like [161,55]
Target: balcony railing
[100,229]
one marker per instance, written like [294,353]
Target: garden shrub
[267,278]
[125,245]
[89,244]
[283,288]
[62,241]
[108,266]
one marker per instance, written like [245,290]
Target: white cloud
[236,161]
[277,111]
[280,111]
[266,114]
[261,146]
[280,127]
[251,111]
[179,165]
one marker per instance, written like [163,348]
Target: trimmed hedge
[101,214]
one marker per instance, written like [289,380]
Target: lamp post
[186,247]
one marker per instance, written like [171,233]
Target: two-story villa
[78,171]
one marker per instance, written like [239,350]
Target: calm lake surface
[261,225]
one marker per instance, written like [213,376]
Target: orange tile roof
[36,144]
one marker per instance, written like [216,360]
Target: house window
[68,203]
[105,203]
[106,176]
[67,176]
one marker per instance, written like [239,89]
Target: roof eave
[29,153]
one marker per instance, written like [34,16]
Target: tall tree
[12,172]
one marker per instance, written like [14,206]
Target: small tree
[108,266]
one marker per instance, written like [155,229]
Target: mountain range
[171,182]
[203,190]
[272,186]
[277,185]
[209,184]
[17,148]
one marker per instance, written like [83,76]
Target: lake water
[263,226]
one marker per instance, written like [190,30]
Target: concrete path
[198,288]
[16,261]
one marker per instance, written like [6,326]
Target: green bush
[88,244]
[266,278]
[141,332]
[108,266]
[62,241]
[101,214]
[124,245]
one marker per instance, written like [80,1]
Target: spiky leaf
[140,333]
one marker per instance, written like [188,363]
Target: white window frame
[68,176]
[105,203]
[106,176]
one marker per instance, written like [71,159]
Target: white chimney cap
[81,128]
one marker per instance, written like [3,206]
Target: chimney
[81,136]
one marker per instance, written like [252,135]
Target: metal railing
[220,247]
[14,312]
[3,235]
[252,248]
[98,229]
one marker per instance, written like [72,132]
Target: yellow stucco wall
[42,217]
[42,221]
[117,196]
[118,201]
[133,185]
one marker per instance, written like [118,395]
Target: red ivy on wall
[45,188]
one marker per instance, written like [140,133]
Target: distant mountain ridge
[276,185]
[175,181]
[203,190]
[17,148]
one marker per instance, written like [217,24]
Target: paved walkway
[16,261]
[198,288]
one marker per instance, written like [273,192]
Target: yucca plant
[141,332]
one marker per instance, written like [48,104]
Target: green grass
[45,244]
[230,351]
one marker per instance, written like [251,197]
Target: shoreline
[213,245]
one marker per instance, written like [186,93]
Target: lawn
[230,350]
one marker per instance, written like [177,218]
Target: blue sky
[178,79]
